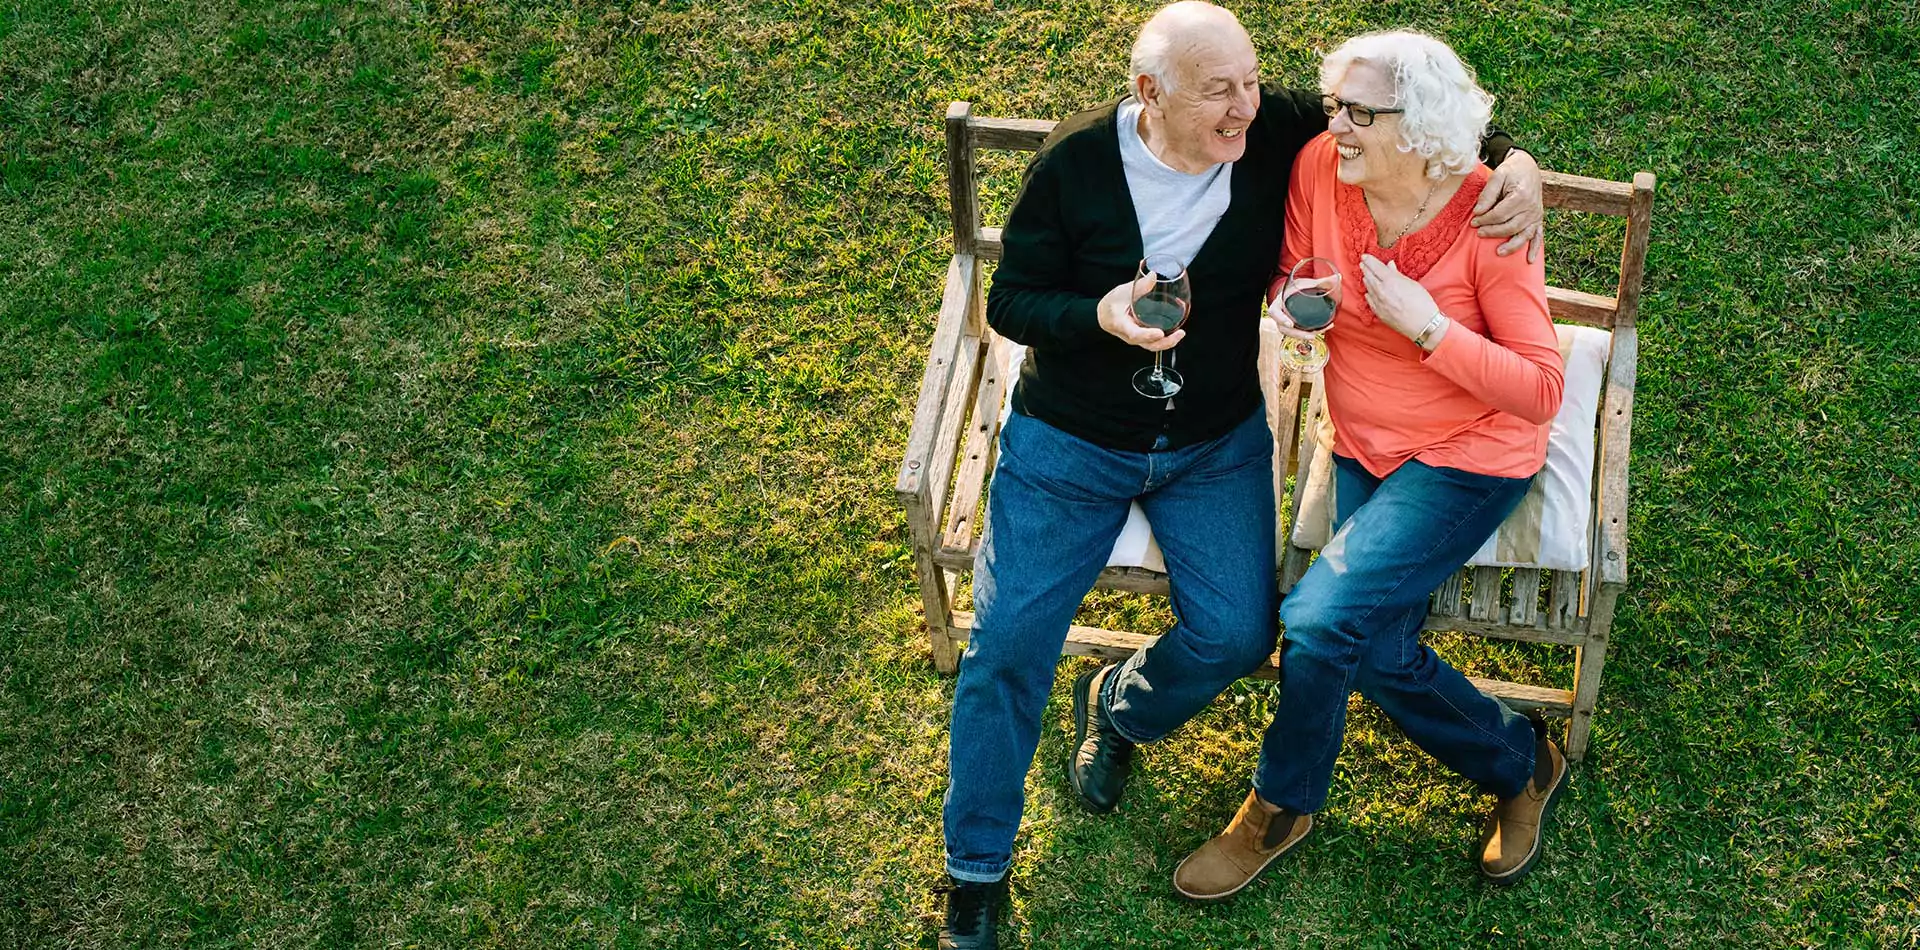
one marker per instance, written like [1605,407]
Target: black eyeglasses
[1358,114]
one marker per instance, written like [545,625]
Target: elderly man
[1194,164]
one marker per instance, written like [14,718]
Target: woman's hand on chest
[1396,299]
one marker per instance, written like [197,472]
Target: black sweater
[1072,236]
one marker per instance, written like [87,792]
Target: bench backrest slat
[967,133]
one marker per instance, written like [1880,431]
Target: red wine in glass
[1162,305]
[1163,315]
[1311,298]
[1311,308]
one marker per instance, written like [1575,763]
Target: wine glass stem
[1157,374]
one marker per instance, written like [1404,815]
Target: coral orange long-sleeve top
[1483,399]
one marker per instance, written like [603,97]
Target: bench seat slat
[976,459]
[1120,644]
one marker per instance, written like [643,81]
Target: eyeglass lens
[1360,116]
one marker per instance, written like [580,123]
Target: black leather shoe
[973,914]
[1101,758]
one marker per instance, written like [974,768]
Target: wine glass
[1310,297]
[1163,306]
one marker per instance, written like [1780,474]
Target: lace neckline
[1416,252]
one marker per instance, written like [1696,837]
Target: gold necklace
[1416,216]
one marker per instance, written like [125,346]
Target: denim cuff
[977,872]
[1523,775]
[1297,805]
[1110,686]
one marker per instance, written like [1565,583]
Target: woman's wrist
[1429,336]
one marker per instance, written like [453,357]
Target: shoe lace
[1109,747]
[968,906]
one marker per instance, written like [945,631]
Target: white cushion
[1551,528]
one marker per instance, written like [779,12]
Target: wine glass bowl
[1311,299]
[1161,304]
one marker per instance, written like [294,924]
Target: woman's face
[1371,154]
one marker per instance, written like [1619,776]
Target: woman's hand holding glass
[1304,309]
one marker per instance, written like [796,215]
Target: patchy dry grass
[444,454]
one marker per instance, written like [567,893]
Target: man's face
[1216,94]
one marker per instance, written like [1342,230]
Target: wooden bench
[950,452]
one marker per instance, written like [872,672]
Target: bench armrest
[1616,430]
[927,463]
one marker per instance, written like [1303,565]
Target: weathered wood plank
[1024,135]
[1086,641]
[953,416]
[1524,698]
[1578,193]
[1119,644]
[1502,631]
[1485,603]
[1288,441]
[987,244]
[1142,581]
[963,193]
[1563,600]
[1446,600]
[1616,435]
[1523,607]
[976,458]
[1589,660]
[1575,306]
[935,596]
[942,357]
[977,306]
[1633,258]
[1137,580]
[1294,561]
[1283,394]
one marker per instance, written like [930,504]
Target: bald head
[1178,31]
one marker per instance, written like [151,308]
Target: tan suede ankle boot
[1257,835]
[1514,834]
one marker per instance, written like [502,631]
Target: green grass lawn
[445,485]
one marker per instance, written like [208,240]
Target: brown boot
[1514,833]
[1257,835]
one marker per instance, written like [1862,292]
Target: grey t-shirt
[1176,210]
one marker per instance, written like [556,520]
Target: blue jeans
[1353,623]
[1057,504]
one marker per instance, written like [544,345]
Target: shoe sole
[1262,869]
[1540,840]
[1082,685]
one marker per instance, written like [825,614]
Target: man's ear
[1148,90]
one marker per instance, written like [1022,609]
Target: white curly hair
[1447,111]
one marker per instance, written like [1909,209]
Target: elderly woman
[1442,377]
